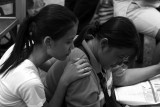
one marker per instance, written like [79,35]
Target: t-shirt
[22,86]
[142,13]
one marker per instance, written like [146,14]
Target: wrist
[63,82]
[158,66]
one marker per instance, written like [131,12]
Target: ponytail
[87,33]
[22,49]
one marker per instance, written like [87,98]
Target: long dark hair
[53,20]
[120,32]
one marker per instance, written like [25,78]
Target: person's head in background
[34,6]
[113,43]
[49,33]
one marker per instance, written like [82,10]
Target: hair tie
[31,27]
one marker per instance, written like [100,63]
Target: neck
[93,45]
[38,56]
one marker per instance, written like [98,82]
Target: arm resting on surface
[135,75]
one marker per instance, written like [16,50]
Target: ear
[48,41]
[104,43]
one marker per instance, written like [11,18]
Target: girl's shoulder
[77,53]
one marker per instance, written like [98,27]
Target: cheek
[69,47]
[63,50]
[66,48]
[109,60]
[105,61]
[57,51]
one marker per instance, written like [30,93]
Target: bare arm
[45,66]
[150,3]
[136,75]
[59,95]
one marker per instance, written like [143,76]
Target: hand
[76,69]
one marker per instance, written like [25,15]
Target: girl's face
[110,57]
[61,48]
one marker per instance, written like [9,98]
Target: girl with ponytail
[48,34]
[112,44]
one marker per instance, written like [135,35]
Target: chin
[107,66]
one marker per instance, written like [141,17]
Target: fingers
[80,61]
[85,71]
[103,14]
[105,18]
[85,74]
[76,69]
[106,9]
[114,69]
[75,60]
[82,64]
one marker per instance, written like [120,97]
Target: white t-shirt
[145,18]
[22,86]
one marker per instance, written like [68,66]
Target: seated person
[104,46]
[20,83]
[145,16]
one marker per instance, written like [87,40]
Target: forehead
[124,51]
[71,33]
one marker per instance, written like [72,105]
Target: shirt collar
[95,64]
